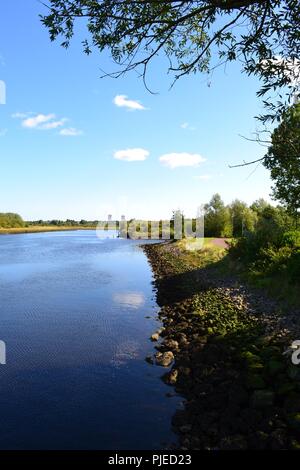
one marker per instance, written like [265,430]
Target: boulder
[171,377]
[154,337]
[164,359]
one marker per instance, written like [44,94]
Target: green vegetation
[241,391]
[194,35]
[11,220]
[283,160]
[270,258]
[234,220]
[63,223]
[13,223]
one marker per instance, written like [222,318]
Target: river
[73,315]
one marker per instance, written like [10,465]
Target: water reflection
[73,318]
[129,299]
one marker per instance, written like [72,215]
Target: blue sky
[52,92]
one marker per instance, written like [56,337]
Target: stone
[294,421]
[185,428]
[262,398]
[286,388]
[164,359]
[149,359]
[171,344]
[236,442]
[171,377]
[292,402]
[154,337]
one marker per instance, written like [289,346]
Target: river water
[73,314]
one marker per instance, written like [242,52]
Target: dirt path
[221,242]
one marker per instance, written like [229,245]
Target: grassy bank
[37,229]
[225,346]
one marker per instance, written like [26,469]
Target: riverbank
[224,344]
[40,229]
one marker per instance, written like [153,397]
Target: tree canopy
[10,220]
[195,36]
[283,160]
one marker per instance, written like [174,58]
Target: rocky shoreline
[223,346]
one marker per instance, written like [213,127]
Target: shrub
[291,238]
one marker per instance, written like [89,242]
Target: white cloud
[20,115]
[53,124]
[122,101]
[175,160]
[202,177]
[131,155]
[70,132]
[45,122]
[186,125]
[36,121]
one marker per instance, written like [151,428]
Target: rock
[294,421]
[171,344]
[278,439]
[295,445]
[171,377]
[293,372]
[258,440]
[154,337]
[292,402]
[236,442]
[170,394]
[186,371]
[237,395]
[285,388]
[164,359]
[181,337]
[262,398]
[185,428]
[149,359]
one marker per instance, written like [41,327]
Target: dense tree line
[238,219]
[63,223]
[10,220]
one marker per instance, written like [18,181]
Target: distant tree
[11,220]
[283,160]
[273,222]
[243,218]
[260,205]
[194,35]
[217,221]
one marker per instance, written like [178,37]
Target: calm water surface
[72,314]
